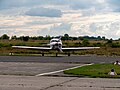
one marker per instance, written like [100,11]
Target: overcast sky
[58,17]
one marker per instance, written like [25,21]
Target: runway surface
[37,65]
[60,59]
[57,83]
[19,73]
[32,69]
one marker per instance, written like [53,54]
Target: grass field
[95,71]
[6,47]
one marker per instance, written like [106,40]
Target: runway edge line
[42,74]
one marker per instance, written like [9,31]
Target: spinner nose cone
[58,44]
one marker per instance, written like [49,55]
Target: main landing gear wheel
[42,54]
[68,54]
[56,54]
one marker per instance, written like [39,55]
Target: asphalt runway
[60,59]
[20,73]
[35,65]
[57,83]
[32,69]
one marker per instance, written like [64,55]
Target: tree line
[82,40]
[48,37]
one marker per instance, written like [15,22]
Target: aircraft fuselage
[56,44]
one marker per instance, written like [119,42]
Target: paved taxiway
[13,66]
[60,59]
[57,83]
[34,65]
[32,69]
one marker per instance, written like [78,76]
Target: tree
[26,38]
[5,36]
[110,41]
[47,37]
[13,37]
[103,37]
[80,38]
[99,38]
[66,36]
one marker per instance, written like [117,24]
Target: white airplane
[55,44]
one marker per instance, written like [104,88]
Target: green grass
[6,47]
[96,70]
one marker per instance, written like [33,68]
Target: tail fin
[60,37]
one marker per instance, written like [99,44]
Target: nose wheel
[68,54]
[42,54]
[56,54]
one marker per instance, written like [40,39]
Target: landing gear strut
[68,54]
[42,54]
[56,54]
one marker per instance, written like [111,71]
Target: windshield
[55,40]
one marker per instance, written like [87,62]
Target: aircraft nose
[57,44]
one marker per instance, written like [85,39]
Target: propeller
[60,49]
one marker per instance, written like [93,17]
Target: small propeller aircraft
[55,44]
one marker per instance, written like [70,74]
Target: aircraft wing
[79,48]
[35,48]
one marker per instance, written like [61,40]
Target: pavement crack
[111,87]
[59,84]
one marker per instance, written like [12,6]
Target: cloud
[78,4]
[114,5]
[61,27]
[56,29]
[75,17]
[44,12]
[87,5]
[83,4]
[6,4]
[114,2]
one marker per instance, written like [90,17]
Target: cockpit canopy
[55,40]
